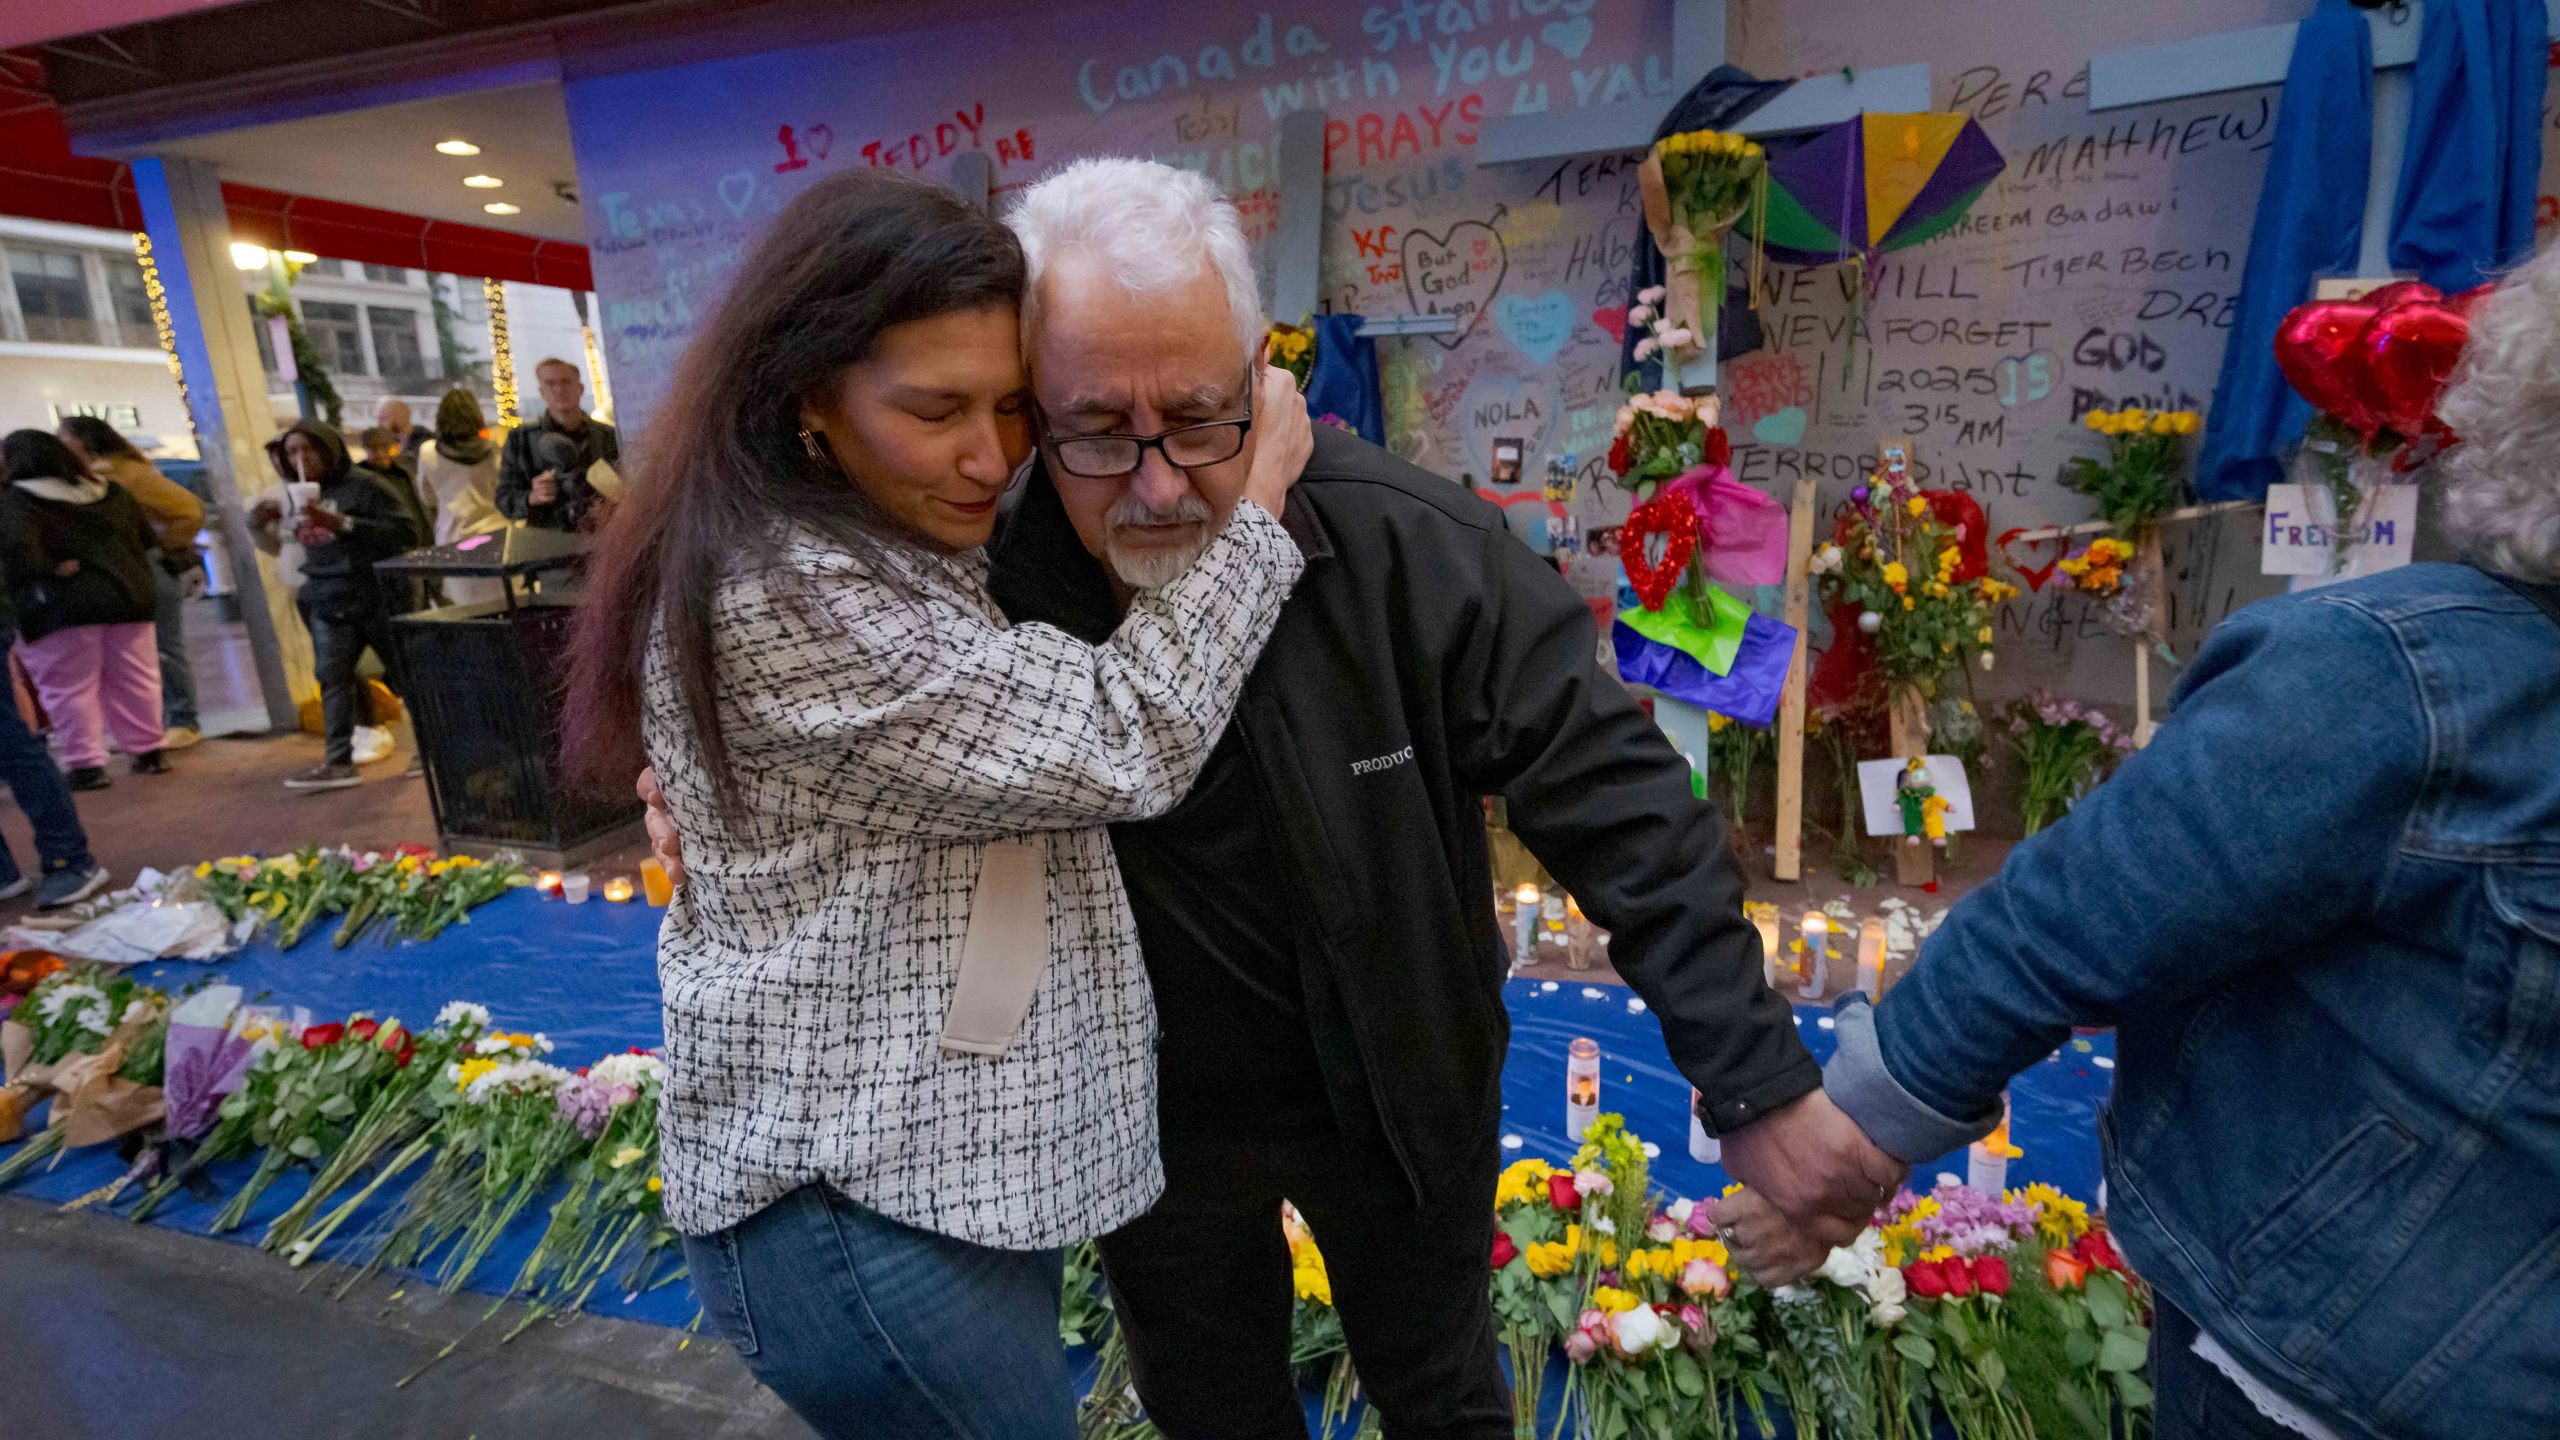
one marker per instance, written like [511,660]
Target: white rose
[1639,1330]
[1679,1210]
[1886,1314]
[1846,1268]
[1886,1288]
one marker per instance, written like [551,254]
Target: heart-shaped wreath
[1673,518]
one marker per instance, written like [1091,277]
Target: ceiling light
[482,182]
[248,256]
[456,147]
[301,257]
[501,207]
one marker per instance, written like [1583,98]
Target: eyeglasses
[1185,447]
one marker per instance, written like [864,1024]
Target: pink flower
[1592,1182]
[1579,1347]
[1662,1231]
[1705,1277]
[1702,1219]
[1701,1330]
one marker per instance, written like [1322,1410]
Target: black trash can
[483,686]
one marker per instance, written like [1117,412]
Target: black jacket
[338,577]
[522,458]
[1427,660]
[109,536]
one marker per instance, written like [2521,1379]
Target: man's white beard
[1151,567]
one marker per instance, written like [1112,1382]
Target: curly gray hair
[2502,492]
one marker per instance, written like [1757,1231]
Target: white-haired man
[1314,920]
[1313,916]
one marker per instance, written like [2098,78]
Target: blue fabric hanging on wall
[1343,387]
[2474,161]
[2310,223]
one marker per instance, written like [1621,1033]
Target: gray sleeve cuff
[1900,1124]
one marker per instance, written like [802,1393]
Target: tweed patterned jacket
[882,735]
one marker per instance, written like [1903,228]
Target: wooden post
[1913,864]
[2152,574]
[1790,826]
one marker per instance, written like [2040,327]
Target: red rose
[1561,1194]
[412,847]
[408,1052]
[1992,1274]
[1925,1281]
[1619,457]
[2064,1270]
[321,1037]
[1959,1279]
[2100,1251]
[392,1036]
[1504,1251]
[362,1029]
[1719,449]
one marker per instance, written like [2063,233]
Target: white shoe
[179,737]
[17,887]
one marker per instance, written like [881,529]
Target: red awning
[41,179]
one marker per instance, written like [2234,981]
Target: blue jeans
[868,1328]
[177,676]
[42,794]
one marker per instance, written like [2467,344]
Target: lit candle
[1987,1159]
[1581,1088]
[618,889]
[1871,957]
[654,879]
[1551,913]
[1524,925]
[573,888]
[548,882]
[1817,967]
[1703,1147]
[1579,942]
[1764,918]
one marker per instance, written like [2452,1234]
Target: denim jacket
[2323,912]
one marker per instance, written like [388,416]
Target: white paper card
[2299,534]
[1876,782]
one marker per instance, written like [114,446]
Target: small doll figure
[1914,794]
[1933,819]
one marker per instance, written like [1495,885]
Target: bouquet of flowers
[95,1044]
[2142,478]
[404,1107]
[2097,571]
[1293,348]
[1658,436]
[411,890]
[300,1107]
[214,1050]
[1898,566]
[611,1218]
[1537,1246]
[2065,748]
[1695,187]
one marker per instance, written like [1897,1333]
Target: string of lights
[595,369]
[502,355]
[160,325]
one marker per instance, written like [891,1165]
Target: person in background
[542,471]
[76,551]
[384,457]
[176,517]
[458,467]
[2322,911]
[355,519]
[393,415]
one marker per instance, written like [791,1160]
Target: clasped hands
[1812,1181]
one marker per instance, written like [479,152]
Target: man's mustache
[1130,510]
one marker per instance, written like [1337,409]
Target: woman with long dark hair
[909,1037]
[176,517]
[459,470]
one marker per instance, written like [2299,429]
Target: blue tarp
[587,977]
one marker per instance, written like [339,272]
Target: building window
[332,329]
[386,274]
[470,301]
[132,302]
[334,269]
[53,295]
[395,344]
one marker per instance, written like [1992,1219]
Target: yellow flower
[1731,1190]
[2133,421]
[1938,1252]
[2190,423]
[1313,1285]
[287,866]
[656,1184]
[471,1070]
[1896,574]
[203,869]
[1919,506]
[1612,1301]
[1907,602]
[2099,420]
[1717,721]
[1550,1258]
[1523,1183]
[626,1155]
[1982,636]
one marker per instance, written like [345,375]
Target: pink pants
[93,673]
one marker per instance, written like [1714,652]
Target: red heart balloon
[1673,518]
[2410,352]
[2400,292]
[2317,350]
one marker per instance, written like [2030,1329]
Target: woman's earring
[809,442]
